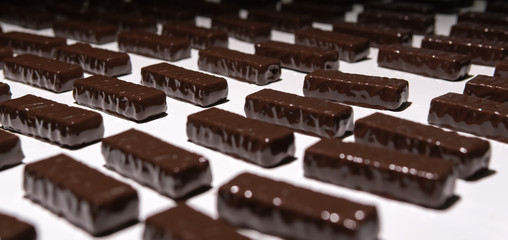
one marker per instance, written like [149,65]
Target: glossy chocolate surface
[425,62]
[492,88]
[5,52]
[416,22]
[292,212]
[357,89]
[22,43]
[153,45]
[282,21]
[130,100]
[5,92]
[10,150]
[18,13]
[318,12]
[299,57]
[183,222]
[478,116]
[169,170]
[469,155]
[377,35]
[199,37]
[501,69]
[105,204]
[52,121]
[310,115]
[350,48]
[130,22]
[480,31]
[406,7]
[255,141]
[191,86]
[483,18]
[243,29]
[408,177]
[45,73]
[97,33]
[12,228]
[246,67]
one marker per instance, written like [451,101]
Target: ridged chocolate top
[492,88]
[83,26]
[63,69]
[184,29]
[318,12]
[243,29]
[12,228]
[249,59]
[14,39]
[282,21]
[134,36]
[111,58]
[418,23]
[377,34]
[193,77]
[480,31]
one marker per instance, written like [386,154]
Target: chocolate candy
[12,228]
[497,6]
[243,29]
[130,22]
[425,62]
[153,45]
[49,74]
[470,114]
[5,92]
[52,121]
[480,31]
[25,16]
[501,69]
[95,60]
[292,212]
[10,151]
[246,67]
[362,90]
[22,43]
[480,51]
[130,100]
[418,23]
[97,33]
[255,141]
[169,14]
[187,85]
[349,47]
[377,35]
[405,7]
[469,155]
[492,88]
[169,170]
[318,12]
[185,223]
[483,18]
[199,37]
[5,52]
[286,22]
[407,177]
[87,198]
[309,115]
[299,57]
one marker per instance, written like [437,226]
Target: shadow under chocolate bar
[501,69]
[492,88]
[418,23]
[5,92]
[480,31]
[243,29]
[377,34]
[282,21]
[153,45]
[10,150]
[13,229]
[23,43]
[199,37]
[5,52]
[91,32]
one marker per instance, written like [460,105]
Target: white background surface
[480,213]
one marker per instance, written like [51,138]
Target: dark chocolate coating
[5,52]
[169,14]
[153,45]
[12,228]
[10,151]
[246,67]
[130,100]
[255,141]
[191,86]
[362,90]
[480,51]
[22,43]
[406,7]
[292,212]
[492,88]
[483,18]
[350,48]
[282,21]
[407,177]
[55,122]
[169,170]
[209,8]
[318,12]
[92,32]
[425,62]
[18,13]
[480,31]
[470,114]
[501,69]
[184,223]
[5,92]
[469,155]
[310,115]
[416,22]
[243,29]
[199,37]
[377,34]
[45,73]
[82,195]
[299,57]
[497,6]
[130,22]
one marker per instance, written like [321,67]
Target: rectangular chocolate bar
[377,34]
[96,33]
[191,86]
[129,100]
[292,212]
[416,22]
[45,73]
[5,92]
[478,116]
[22,43]
[199,37]
[407,177]
[255,141]
[5,52]
[497,6]
[492,88]
[469,155]
[501,70]
[357,89]
[282,21]
[55,122]
[153,45]
[95,60]
[318,12]
[246,67]
[18,13]
[10,150]
[489,18]
[350,48]
[169,170]
[14,229]
[299,57]
[243,29]
[406,7]
[183,222]
[480,31]
[87,198]
[130,22]
[309,115]
[425,62]
[168,14]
